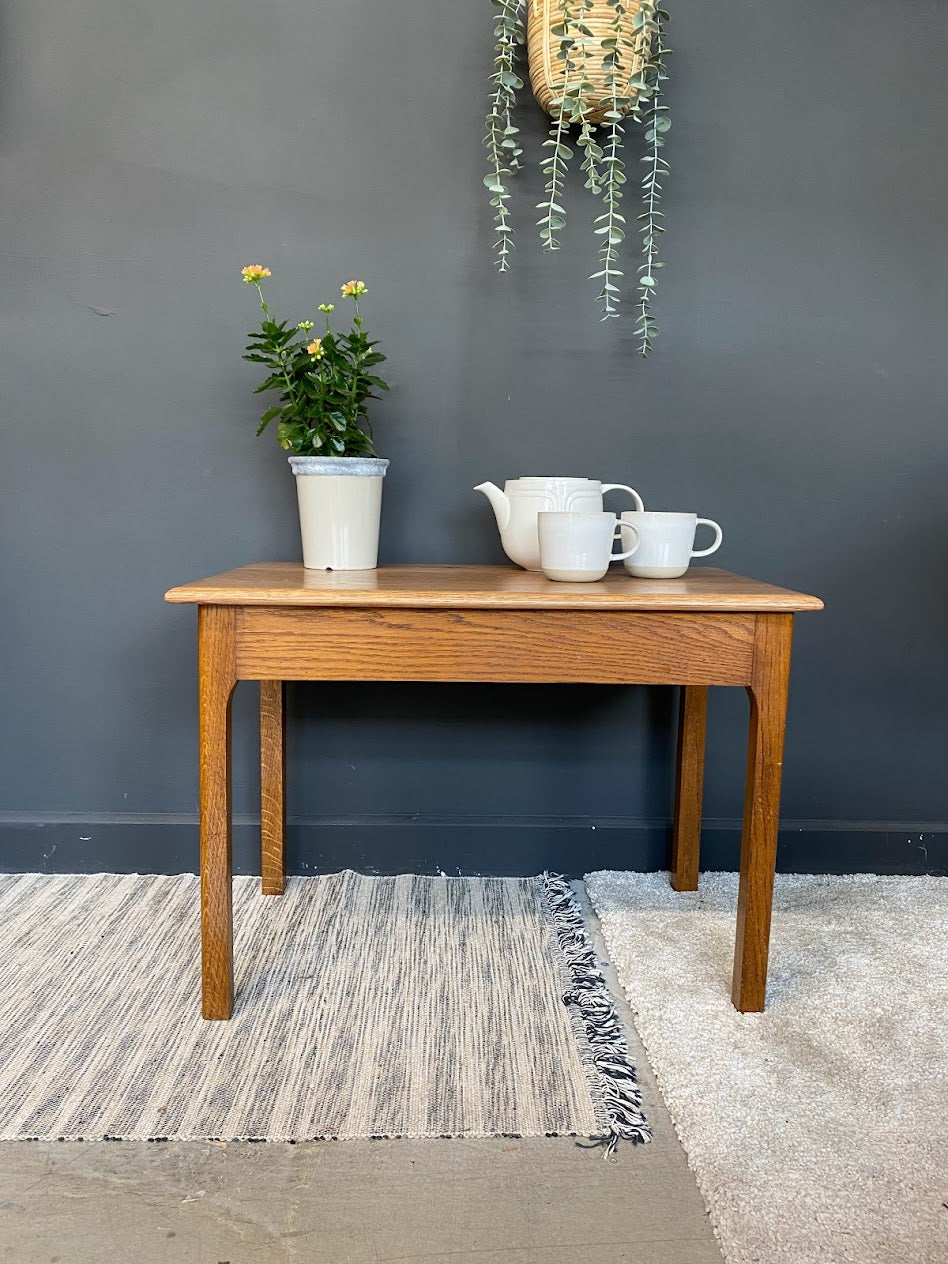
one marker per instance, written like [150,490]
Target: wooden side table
[276,621]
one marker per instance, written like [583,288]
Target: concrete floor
[531,1201]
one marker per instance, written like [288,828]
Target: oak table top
[703,588]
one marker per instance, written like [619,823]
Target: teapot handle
[621,487]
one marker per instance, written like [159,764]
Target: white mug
[665,542]
[577,547]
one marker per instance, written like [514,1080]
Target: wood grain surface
[272,787]
[689,785]
[216,680]
[484,587]
[557,646]
[768,692]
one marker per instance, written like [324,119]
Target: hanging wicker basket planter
[547,68]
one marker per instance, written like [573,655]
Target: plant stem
[552,212]
[657,166]
[281,356]
[586,141]
[356,362]
[614,169]
[500,127]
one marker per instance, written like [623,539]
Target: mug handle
[620,557]
[621,487]
[718,533]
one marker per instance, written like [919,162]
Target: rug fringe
[589,995]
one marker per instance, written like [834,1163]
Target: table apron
[528,646]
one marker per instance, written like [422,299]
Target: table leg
[689,779]
[768,711]
[272,787]
[216,680]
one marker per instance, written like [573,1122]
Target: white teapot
[517,506]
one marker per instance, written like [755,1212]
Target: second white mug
[666,542]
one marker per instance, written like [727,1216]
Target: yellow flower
[352,289]
[254,272]
[315,349]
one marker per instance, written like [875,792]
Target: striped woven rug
[408,1006]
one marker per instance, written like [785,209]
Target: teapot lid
[535,479]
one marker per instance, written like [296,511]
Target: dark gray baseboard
[168,843]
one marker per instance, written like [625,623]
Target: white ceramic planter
[340,500]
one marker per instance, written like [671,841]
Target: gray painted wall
[797,394]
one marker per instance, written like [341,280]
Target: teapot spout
[499,502]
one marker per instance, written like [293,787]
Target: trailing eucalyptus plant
[605,79]
[322,382]
[502,132]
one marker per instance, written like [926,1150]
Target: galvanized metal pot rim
[346,466]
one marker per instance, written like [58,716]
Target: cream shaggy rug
[818,1131]
[365,1007]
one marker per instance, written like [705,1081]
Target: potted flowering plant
[323,383]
